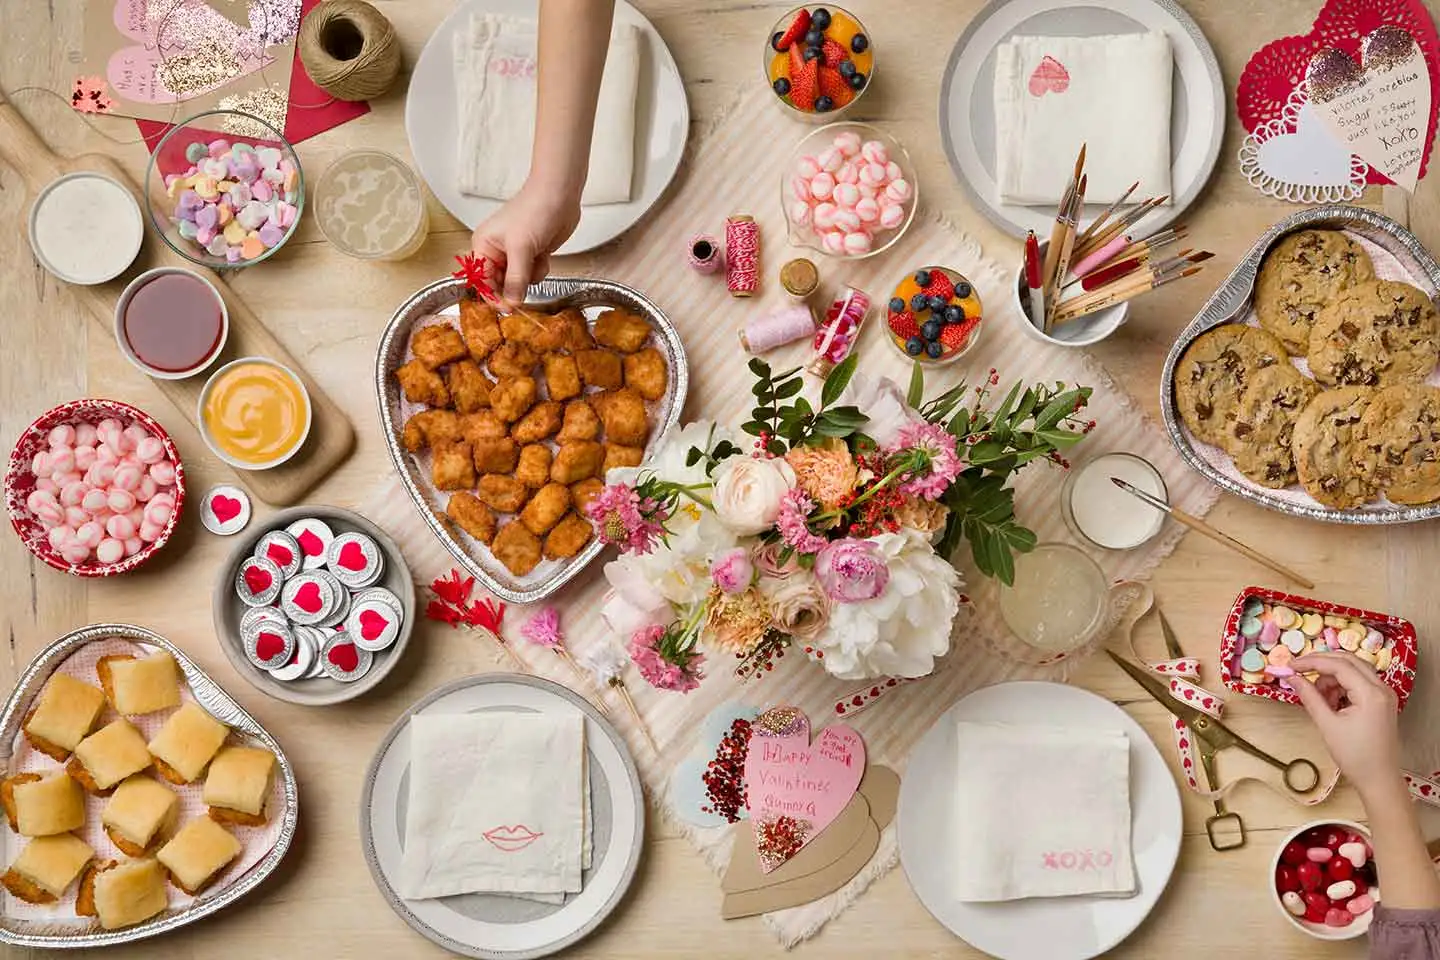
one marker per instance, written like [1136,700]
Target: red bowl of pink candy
[94,487]
[1324,879]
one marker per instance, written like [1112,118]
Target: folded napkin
[1042,812]
[496,805]
[495,93]
[1111,93]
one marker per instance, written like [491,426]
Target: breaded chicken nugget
[534,468]
[521,327]
[485,425]
[501,493]
[568,537]
[562,376]
[517,548]
[512,397]
[621,330]
[469,387]
[420,384]
[576,460]
[623,413]
[512,359]
[586,490]
[437,345]
[542,421]
[429,427]
[645,372]
[480,328]
[619,455]
[600,368]
[550,503]
[495,456]
[550,334]
[452,468]
[581,422]
[472,516]
[577,331]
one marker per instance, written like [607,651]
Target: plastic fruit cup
[970,304]
[124,343]
[1319,931]
[804,234]
[844,27]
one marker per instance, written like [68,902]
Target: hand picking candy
[1326,876]
[236,200]
[850,196]
[1271,635]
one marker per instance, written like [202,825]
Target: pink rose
[851,571]
[767,560]
[732,570]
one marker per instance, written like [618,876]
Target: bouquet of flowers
[833,532]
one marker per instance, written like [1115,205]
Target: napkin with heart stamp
[1111,93]
[1041,812]
[496,805]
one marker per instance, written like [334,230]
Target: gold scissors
[1300,776]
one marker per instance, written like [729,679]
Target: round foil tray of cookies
[1397,257]
[502,427]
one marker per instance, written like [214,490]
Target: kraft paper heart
[352,557]
[310,543]
[1381,110]
[225,508]
[1049,76]
[795,788]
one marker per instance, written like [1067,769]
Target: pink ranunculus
[851,571]
[733,570]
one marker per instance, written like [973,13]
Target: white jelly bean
[1294,903]
[1341,890]
[1355,852]
[110,550]
[61,436]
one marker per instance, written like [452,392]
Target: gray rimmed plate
[211,696]
[227,609]
[967,109]
[1234,302]
[550,295]
[498,927]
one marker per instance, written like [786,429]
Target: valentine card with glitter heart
[170,59]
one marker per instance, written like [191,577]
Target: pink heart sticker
[308,598]
[1049,76]
[372,624]
[225,508]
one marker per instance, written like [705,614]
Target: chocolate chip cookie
[1376,334]
[1213,373]
[1325,447]
[1302,273]
[1399,443]
[1258,440]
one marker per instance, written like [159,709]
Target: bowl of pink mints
[224,189]
[94,487]
[848,191]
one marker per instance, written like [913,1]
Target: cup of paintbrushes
[1081,332]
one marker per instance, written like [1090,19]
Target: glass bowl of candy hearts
[934,315]
[94,487]
[818,61]
[224,189]
[848,191]
[1324,880]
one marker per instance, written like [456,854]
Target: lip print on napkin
[1379,108]
[1049,76]
[795,788]
[511,839]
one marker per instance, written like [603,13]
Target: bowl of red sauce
[171,322]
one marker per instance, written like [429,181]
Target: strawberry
[940,286]
[955,336]
[834,86]
[832,53]
[804,82]
[796,30]
[903,325]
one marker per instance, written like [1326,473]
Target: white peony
[902,631]
[883,402]
[748,491]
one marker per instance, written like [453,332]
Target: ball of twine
[349,49]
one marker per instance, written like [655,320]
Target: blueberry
[820,19]
[936,304]
[847,68]
[775,40]
[897,305]
[782,86]
[814,37]
[922,278]
[962,290]
[930,329]
[857,82]
[919,302]
[823,104]
[954,314]
[859,43]
[914,346]
[935,350]
[811,53]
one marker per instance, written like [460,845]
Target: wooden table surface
[329,309]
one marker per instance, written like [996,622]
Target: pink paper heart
[1049,76]
[795,789]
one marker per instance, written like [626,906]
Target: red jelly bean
[1293,854]
[1311,876]
[1286,878]
[1337,917]
[1317,905]
[1339,869]
[1332,837]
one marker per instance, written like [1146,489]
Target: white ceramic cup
[1081,332]
[1319,931]
[129,294]
[215,447]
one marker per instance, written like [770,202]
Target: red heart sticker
[352,557]
[874,691]
[308,598]
[1187,763]
[1189,694]
[372,624]
[839,708]
[311,544]
[268,646]
[1425,789]
[280,553]
[257,580]
[1184,743]
[344,656]
[857,701]
[1207,702]
[225,508]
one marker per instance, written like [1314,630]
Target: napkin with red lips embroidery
[496,805]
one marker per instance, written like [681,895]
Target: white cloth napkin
[495,95]
[1111,93]
[496,805]
[1042,812]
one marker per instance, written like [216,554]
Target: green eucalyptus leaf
[916,393]
[838,379]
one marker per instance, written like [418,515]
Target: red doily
[1279,67]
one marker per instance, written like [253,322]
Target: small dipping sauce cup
[1100,513]
[254,413]
[370,206]
[1056,607]
[171,323]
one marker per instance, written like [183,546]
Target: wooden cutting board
[331,435]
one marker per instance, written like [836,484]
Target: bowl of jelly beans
[224,189]
[1324,880]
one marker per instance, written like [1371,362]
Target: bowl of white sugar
[86,228]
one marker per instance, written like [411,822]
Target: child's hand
[519,237]
[1356,715]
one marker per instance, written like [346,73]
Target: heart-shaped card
[1296,158]
[796,788]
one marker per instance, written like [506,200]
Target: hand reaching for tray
[519,237]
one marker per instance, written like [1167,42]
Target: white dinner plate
[967,98]
[498,927]
[662,122]
[1059,928]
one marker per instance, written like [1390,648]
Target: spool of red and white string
[742,255]
[705,254]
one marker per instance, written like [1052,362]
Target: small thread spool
[785,325]
[742,255]
[705,254]
[349,49]
[799,277]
